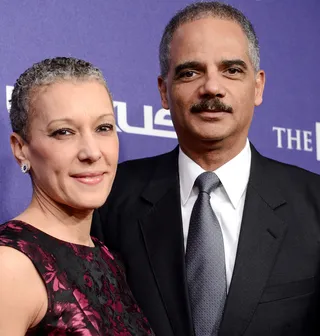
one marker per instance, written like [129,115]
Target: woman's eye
[105,128]
[61,132]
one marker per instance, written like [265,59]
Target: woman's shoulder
[18,235]
[12,228]
[12,254]
[12,258]
[15,264]
[22,291]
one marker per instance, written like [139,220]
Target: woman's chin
[87,205]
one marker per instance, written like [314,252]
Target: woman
[56,279]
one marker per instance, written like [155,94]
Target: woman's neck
[58,220]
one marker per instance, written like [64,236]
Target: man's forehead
[219,38]
[216,26]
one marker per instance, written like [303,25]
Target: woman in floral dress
[56,279]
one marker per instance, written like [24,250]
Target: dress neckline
[32,228]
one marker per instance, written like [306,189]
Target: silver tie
[205,261]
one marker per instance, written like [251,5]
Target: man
[244,260]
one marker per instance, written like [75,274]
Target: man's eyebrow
[187,65]
[232,62]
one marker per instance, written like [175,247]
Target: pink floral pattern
[87,291]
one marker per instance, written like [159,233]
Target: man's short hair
[200,10]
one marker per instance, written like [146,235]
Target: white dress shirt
[227,200]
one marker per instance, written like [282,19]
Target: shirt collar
[234,175]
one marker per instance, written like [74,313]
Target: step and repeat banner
[121,37]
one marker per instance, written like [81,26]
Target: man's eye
[187,74]
[234,71]
[61,132]
[105,128]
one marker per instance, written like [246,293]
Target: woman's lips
[89,178]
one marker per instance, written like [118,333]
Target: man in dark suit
[266,213]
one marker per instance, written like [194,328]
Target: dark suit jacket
[275,284]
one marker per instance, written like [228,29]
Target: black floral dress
[87,291]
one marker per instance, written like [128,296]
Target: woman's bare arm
[23,296]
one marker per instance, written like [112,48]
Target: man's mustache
[211,104]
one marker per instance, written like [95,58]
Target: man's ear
[162,86]
[19,149]
[260,82]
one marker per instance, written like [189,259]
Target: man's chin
[212,137]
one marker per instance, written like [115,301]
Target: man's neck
[212,155]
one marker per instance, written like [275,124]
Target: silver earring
[25,168]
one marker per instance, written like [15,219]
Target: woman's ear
[19,149]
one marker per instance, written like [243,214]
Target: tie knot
[207,182]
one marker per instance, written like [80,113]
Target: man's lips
[212,114]
[212,111]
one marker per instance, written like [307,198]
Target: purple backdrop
[121,37]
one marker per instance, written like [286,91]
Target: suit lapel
[163,236]
[261,235]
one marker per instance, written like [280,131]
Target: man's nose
[213,85]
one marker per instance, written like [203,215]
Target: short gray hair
[200,10]
[46,72]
